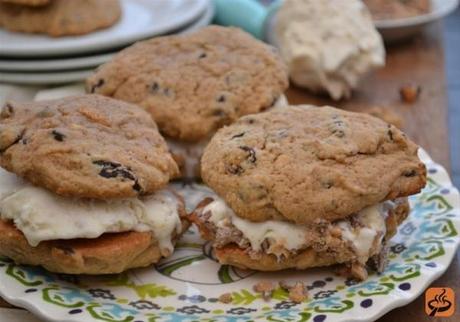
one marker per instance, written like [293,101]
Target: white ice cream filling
[328,45]
[293,236]
[42,215]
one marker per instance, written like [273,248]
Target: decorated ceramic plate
[186,286]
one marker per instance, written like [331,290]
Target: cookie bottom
[233,255]
[108,254]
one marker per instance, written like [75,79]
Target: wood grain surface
[419,61]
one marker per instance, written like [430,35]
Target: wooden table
[420,61]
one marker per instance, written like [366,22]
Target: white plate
[45,78]
[185,286]
[16,65]
[140,19]
[397,29]
[67,76]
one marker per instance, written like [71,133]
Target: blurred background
[452,50]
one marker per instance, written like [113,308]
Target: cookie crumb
[265,288]
[298,293]
[226,298]
[358,271]
[409,93]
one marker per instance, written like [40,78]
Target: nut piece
[265,288]
[409,93]
[226,298]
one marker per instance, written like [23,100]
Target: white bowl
[397,29]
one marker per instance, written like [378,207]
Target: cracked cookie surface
[306,163]
[193,84]
[86,146]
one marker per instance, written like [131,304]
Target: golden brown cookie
[108,254]
[86,146]
[306,163]
[193,84]
[60,17]
[28,2]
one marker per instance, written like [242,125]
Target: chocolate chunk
[115,170]
[202,55]
[221,98]
[237,135]
[251,153]
[99,83]
[7,111]
[58,136]
[410,173]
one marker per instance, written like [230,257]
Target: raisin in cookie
[61,17]
[85,146]
[193,84]
[305,163]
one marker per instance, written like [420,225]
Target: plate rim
[191,15]
[203,21]
[447,6]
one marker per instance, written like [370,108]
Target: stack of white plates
[38,59]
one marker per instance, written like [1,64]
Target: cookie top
[60,17]
[306,163]
[193,84]
[28,2]
[86,146]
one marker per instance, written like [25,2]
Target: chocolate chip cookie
[86,146]
[305,163]
[193,84]
[60,17]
